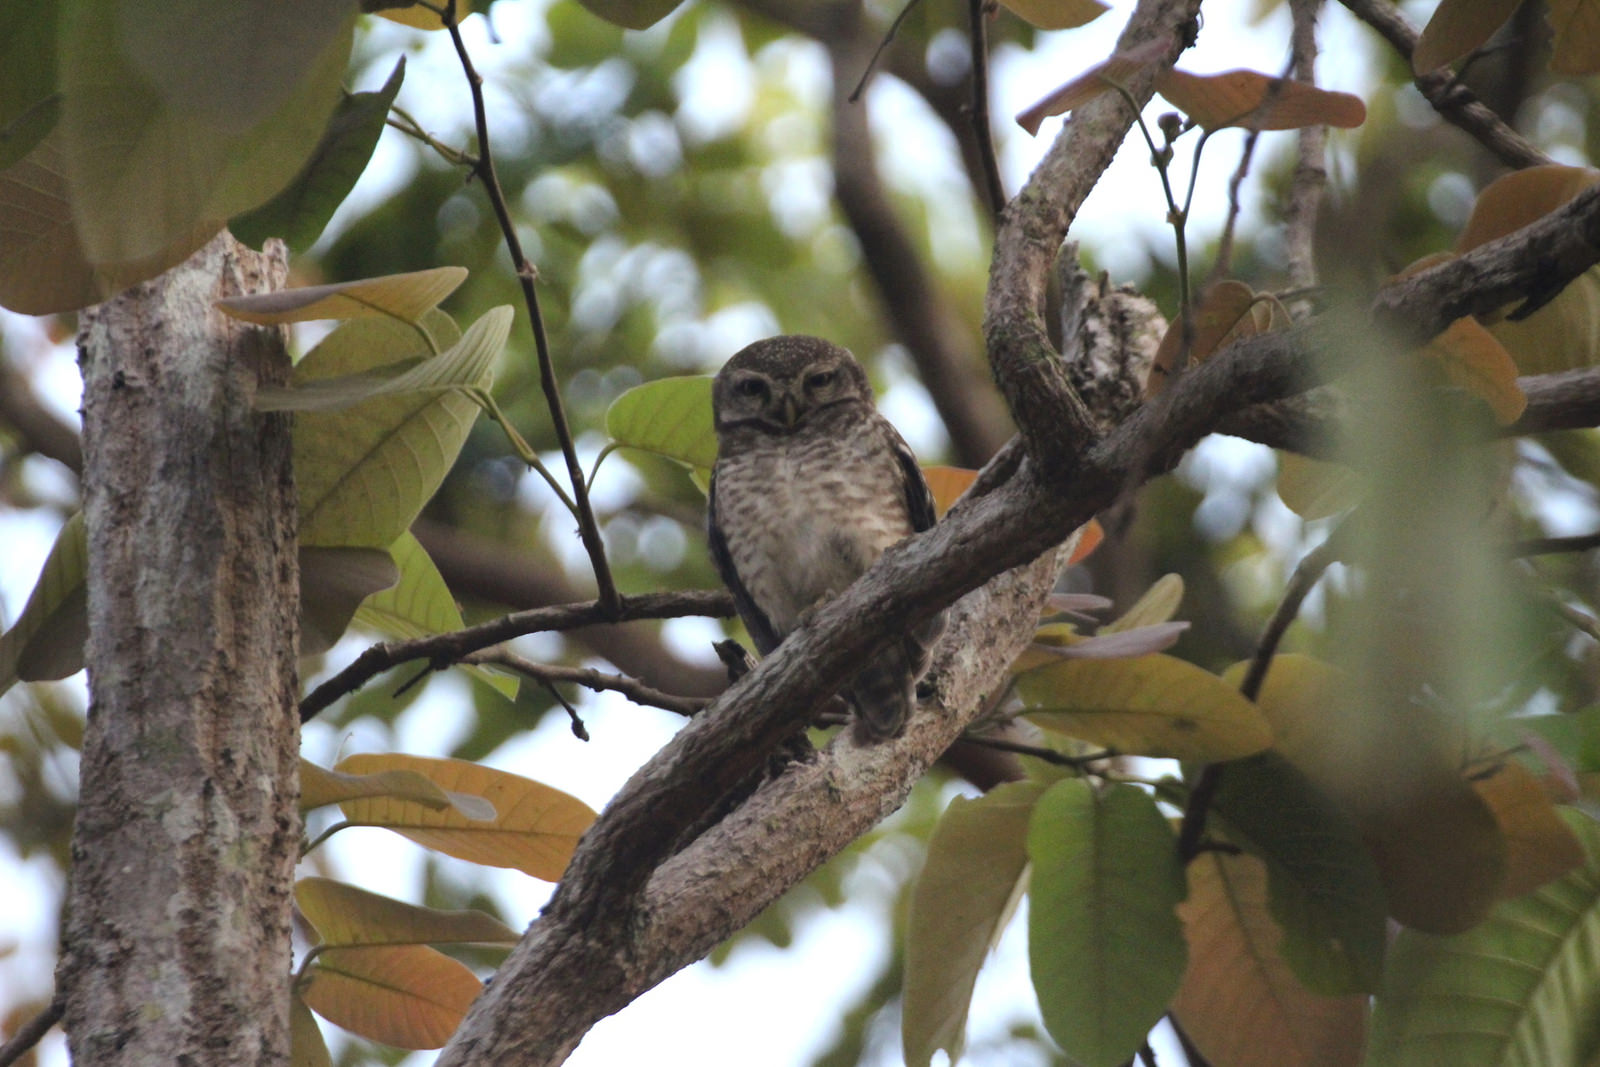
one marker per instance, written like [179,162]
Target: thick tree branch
[1453,101]
[1054,422]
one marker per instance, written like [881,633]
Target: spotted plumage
[810,487]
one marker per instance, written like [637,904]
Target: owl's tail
[884,693]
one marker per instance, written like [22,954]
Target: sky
[799,992]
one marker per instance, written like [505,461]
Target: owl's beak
[790,411]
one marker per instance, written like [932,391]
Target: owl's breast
[804,521]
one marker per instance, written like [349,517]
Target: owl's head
[776,385]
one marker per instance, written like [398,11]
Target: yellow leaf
[406,297]
[345,916]
[1256,101]
[1240,1002]
[1471,358]
[1316,489]
[1158,604]
[534,831]
[1056,14]
[1539,845]
[413,14]
[1457,28]
[1149,706]
[409,996]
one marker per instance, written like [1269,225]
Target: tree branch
[441,650]
[1453,101]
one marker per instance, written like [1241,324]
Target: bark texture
[177,938]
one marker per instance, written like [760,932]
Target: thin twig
[1191,834]
[1454,102]
[588,530]
[31,1032]
[579,730]
[1224,260]
[1049,755]
[441,650]
[888,38]
[599,681]
[1550,546]
[994,187]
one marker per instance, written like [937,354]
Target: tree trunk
[177,944]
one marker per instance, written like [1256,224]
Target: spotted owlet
[811,485]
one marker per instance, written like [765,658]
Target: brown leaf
[1101,78]
[1256,101]
[1577,36]
[1221,315]
[408,996]
[1457,28]
[1539,845]
[947,484]
[1473,359]
[1239,1002]
[1520,198]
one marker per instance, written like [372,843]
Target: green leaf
[407,297]
[1324,887]
[365,473]
[968,888]
[46,641]
[43,267]
[420,604]
[1149,706]
[1240,1003]
[345,916]
[300,212]
[670,417]
[408,996]
[632,14]
[24,133]
[1056,14]
[1104,942]
[468,364]
[333,583]
[27,61]
[1522,989]
[179,114]
[535,828]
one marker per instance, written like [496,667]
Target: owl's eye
[821,380]
[750,387]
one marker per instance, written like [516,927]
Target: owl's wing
[755,620]
[919,498]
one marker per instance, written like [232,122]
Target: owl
[811,485]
